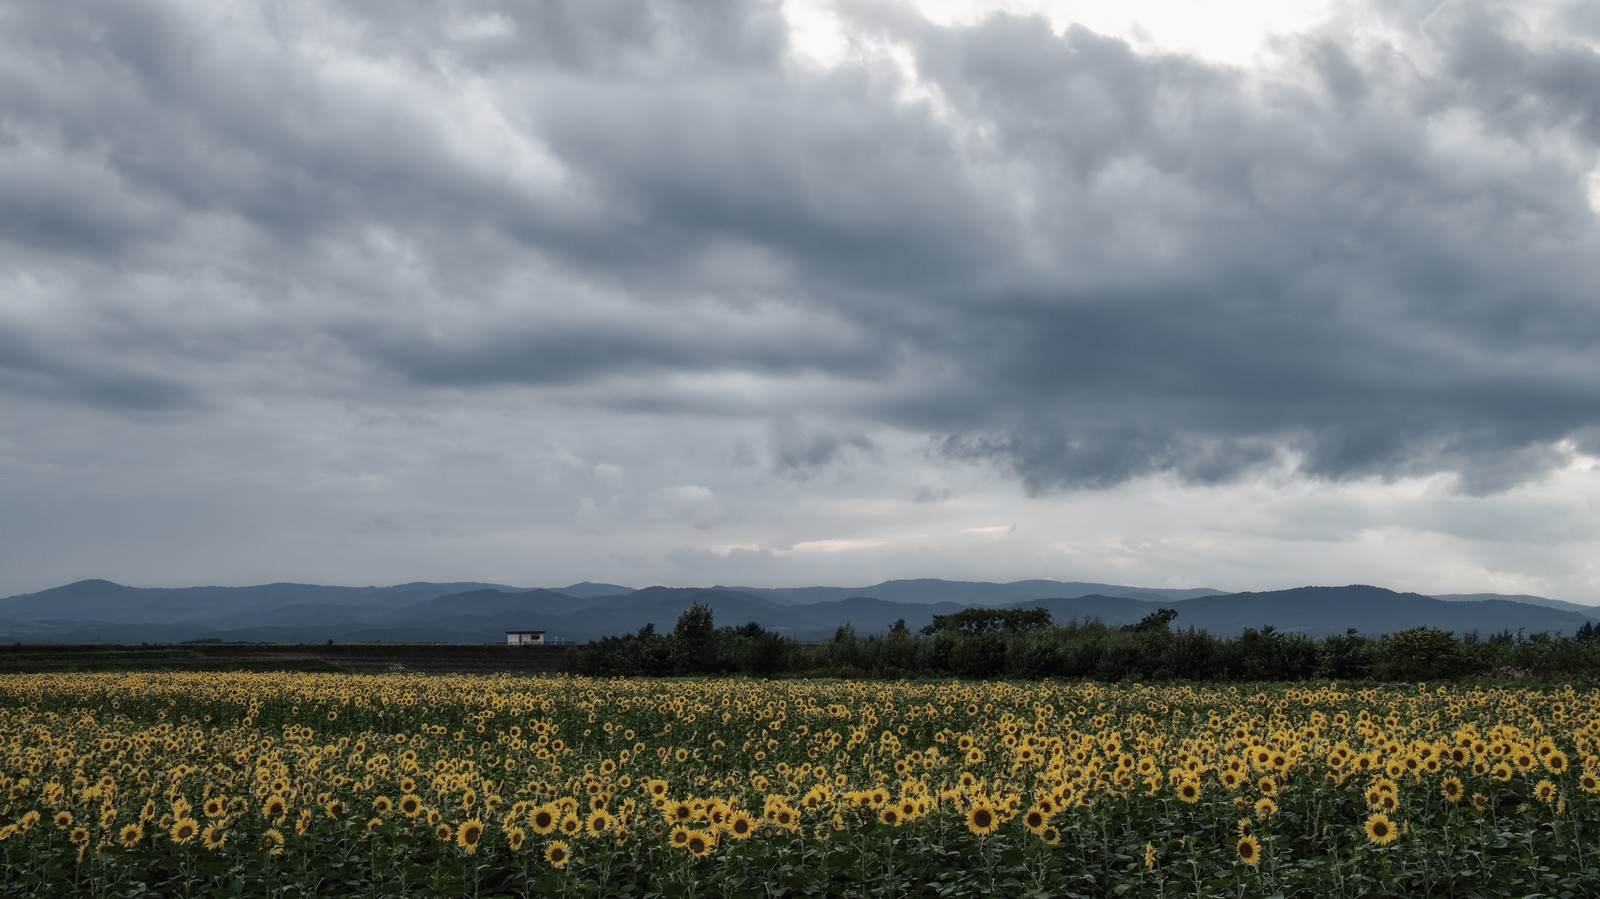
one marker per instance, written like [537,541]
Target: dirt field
[364,657]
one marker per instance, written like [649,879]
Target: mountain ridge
[99,610]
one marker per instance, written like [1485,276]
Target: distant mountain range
[98,611]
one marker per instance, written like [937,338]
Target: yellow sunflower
[741,826]
[1248,849]
[274,808]
[1380,830]
[1036,819]
[981,819]
[558,854]
[469,835]
[543,820]
[700,843]
[184,829]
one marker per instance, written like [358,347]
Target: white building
[524,638]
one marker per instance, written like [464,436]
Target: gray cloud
[1074,262]
[800,450]
[1096,263]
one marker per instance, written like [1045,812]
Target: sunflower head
[981,819]
[1248,849]
[1380,830]
[699,844]
[183,830]
[469,835]
[1035,819]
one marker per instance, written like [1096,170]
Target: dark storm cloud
[1086,263]
[31,365]
[800,450]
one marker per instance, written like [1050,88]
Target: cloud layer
[396,259]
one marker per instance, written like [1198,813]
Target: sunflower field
[252,784]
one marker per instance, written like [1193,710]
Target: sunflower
[1265,808]
[599,822]
[543,820]
[981,819]
[700,843]
[1189,791]
[214,837]
[443,832]
[1451,789]
[558,854]
[1248,849]
[1035,819]
[1380,830]
[1588,782]
[215,806]
[1545,791]
[272,841]
[571,825]
[1050,835]
[382,805]
[741,825]
[274,808]
[1555,762]
[515,837]
[469,834]
[183,830]
[890,815]
[63,820]
[130,835]
[679,836]
[410,805]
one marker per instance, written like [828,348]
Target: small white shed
[524,638]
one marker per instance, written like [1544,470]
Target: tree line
[1026,643]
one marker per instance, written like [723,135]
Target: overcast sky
[802,293]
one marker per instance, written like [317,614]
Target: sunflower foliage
[297,784]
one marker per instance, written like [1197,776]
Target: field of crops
[328,784]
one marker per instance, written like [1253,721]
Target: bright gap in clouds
[1234,33]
